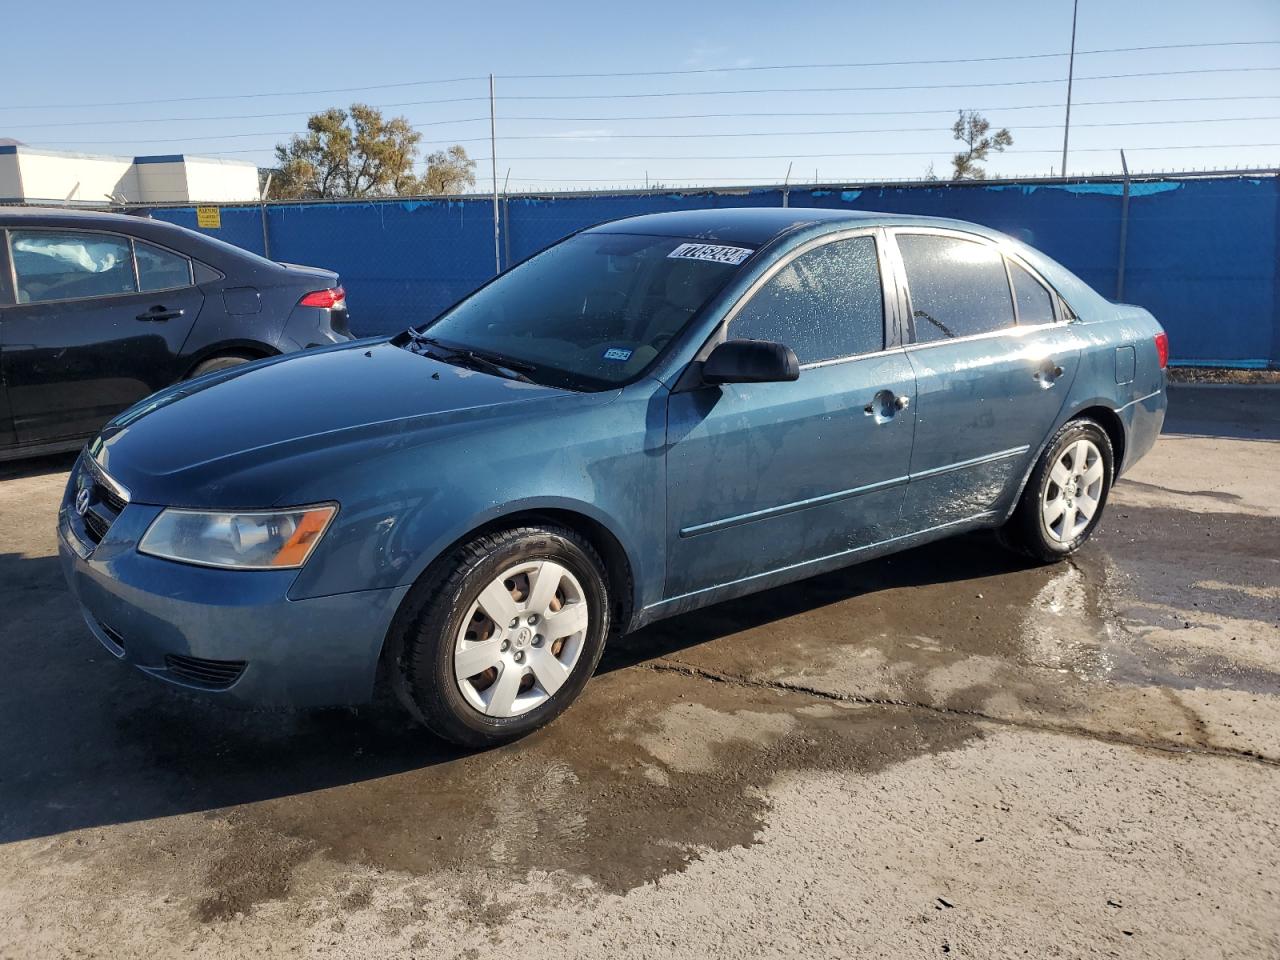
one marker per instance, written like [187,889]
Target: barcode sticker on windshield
[710,251]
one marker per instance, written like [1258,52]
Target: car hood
[250,434]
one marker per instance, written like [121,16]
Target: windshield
[594,311]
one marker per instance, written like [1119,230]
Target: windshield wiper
[478,359]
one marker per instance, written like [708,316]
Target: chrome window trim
[988,335]
[896,348]
[719,334]
[128,238]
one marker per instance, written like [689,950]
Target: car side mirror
[750,361]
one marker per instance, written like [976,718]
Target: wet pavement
[948,747]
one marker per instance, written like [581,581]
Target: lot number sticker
[710,251]
[209,218]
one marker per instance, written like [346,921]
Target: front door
[763,477]
[92,329]
[992,368]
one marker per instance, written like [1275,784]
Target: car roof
[756,226]
[216,253]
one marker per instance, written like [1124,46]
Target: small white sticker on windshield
[710,251]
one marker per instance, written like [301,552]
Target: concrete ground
[948,752]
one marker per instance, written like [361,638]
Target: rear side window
[64,265]
[958,287]
[825,304]
[160,269]
[1035,303]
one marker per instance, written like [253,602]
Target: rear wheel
[218,363]
[502,634]
[1065,494]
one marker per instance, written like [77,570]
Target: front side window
[160,269]
[1035,303]
[958,287]
[594,310]
[825,304]
[64,265]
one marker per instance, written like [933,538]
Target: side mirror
[750,361]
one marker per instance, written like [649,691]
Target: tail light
[1162,349]
[327,299]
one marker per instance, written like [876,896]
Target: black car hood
[215,440]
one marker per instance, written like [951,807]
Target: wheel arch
[253,349]
[1101,413]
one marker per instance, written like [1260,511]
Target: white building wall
[54,177]
[214,179]
[76,177]
[10,177]
[161,180]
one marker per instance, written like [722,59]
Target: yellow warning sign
[210,218]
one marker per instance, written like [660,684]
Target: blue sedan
[650,416]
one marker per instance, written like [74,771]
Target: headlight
[244,540]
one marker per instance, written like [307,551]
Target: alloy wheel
[521,638]
[1074,490]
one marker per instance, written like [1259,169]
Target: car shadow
[37,466]
[86,741]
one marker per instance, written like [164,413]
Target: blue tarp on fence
[1202,253]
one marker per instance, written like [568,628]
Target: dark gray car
[98,310]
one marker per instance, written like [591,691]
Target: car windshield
[591,312]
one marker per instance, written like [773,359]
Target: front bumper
[235,634]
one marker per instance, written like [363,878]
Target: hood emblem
[82,501]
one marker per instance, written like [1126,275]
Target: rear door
[98,322]
[772,475]
[988,388]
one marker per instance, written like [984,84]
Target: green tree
[358,153]
[973,130]
[449,171]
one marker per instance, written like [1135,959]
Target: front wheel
[504,633]
[1065,494]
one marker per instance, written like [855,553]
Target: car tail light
[328,299]
[1162,349]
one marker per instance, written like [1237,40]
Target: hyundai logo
[82,501]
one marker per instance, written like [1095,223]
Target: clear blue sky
[60,58]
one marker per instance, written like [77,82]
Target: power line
[896,86]
[876,63]
[696,136]
[247,96]
[880,113]
[691,71]
[884,153]
[641,118]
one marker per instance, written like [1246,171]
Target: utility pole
[493,164]
[1071,72]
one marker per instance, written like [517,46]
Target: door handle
[1048,373]
[885,404]
[160,313]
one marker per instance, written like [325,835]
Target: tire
[1052,521]
[527,678]
[217,363]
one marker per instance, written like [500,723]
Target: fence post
[266,234]
[1124,229]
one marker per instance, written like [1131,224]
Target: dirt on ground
[948,752]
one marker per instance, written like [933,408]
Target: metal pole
[493,162]
[1071,72]
[1124,229]
[786,187]
[262,210]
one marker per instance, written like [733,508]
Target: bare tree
[972,128]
